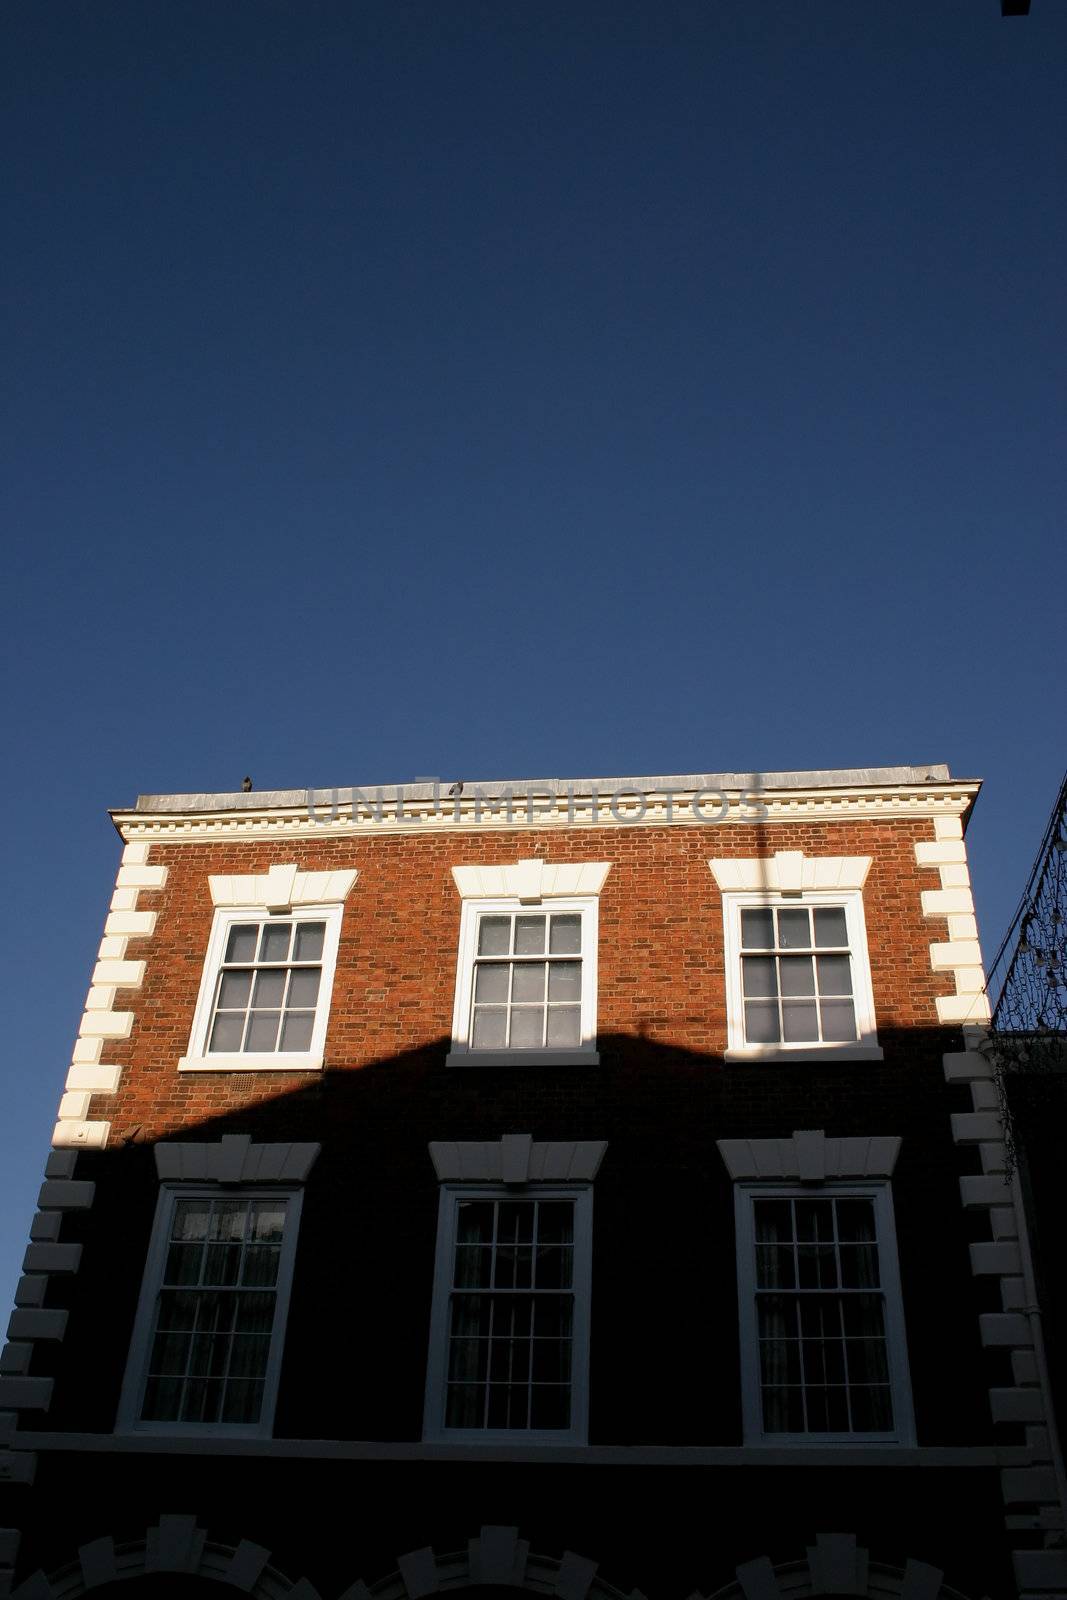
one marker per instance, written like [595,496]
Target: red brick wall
[661,960]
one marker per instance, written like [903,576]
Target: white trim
[235,1159]
[649,802]
[515,1158]
[282,888]
[790,872]
[745,1193]
[583,1053]
[958,958]
[100,1021]
[616,1455]
[808,1156]
[198,1058]
[133,1384]
[434,1428]
[531,881]
[866,1047]
[248,1062]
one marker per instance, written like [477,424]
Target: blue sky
[483,388]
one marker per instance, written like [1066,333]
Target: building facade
[588,1188]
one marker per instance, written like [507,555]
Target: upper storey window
[798,980]
[526,977]
[268,976]
[270,979]
[796,975]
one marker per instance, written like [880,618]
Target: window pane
[191,1220]
[831,929]
[555,1222]
[490,1028]
[303,990]
[275,943]
[564,1027]
[758,975]
[839,1021]
[183,1264]
[234,990]
[528,981]
[227,1031]
[515,1222]
[550,1407]
[565,980]
[794,930]
[761,1022]
[815,1221]
[309,941]
[491,981]
[797,974]
[474,1222]
[855,1220]
[529,936]
[872,1410]
[799,1021]
[270,988]
[757,930]
[565,935]
[494,936]
[835,975]
[297,1030]
[241,945]
[774,1266]
[527,1028]
[262,1031]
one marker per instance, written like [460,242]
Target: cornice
[319,814]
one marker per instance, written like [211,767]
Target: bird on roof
[246,785]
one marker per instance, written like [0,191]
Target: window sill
[250,1063]
[806,1053]
[523,1058]
[832,1441]
[494,1437]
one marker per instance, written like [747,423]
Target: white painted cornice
[790,872]
[551,804]
[810,1157]
[235,1159]
[517,1159]
[531,881]
[282,888]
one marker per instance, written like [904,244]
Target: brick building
[583,1188]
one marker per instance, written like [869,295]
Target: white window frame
[434,1428]
[198,1058]
[462,1053]
[903,1431]
[133,1387]
[865,1047]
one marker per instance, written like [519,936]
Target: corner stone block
[1017,1405]
[1002,1329]
[1040,1570]
[1028,1485]
[26,1394]
[27,1323]
[52,1258]
[966,1066]
[995,1259]
[81,1135]
[59,1194]
[988,1190]
[974,1127]
[60,1164]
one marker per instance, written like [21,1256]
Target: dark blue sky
[511,389]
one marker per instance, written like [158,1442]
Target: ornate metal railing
[1028,977]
